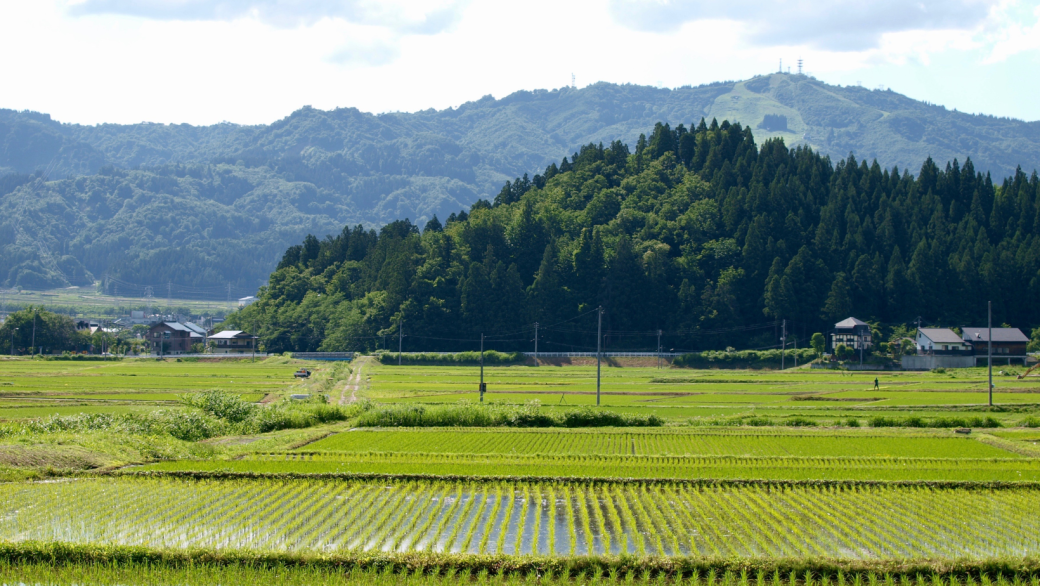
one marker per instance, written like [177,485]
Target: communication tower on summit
[799,66]
[573,84]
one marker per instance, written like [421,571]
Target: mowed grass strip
[663,519]
[749,443]
[604,466]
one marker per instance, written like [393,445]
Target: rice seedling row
[858,522]
[656,443]
[619,466]
[444,572]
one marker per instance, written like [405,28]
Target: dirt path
[353,383]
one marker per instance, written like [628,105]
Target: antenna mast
[799,66]
[573,84]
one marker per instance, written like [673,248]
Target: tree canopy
[696,231]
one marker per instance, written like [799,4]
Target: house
[232,342]
[1009,343]
[91,326]
[941,342]
[173,337]
[246,301]
[853,333]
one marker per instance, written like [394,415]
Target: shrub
[940,422]
[471,415]
[228,406]
[798,421]
[757,422]
[743,358]
[1030,422]
[852,422]
[491,357]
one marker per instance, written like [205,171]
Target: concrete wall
[931,362]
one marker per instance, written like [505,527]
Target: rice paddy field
[38,388]
[712,394]
[812,493]
[529,518]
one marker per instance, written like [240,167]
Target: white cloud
[403,17]
[838,25]
[255,62]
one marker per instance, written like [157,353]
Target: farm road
[353,383]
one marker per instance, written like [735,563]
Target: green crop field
[718,443]
[37,388]
[611,466]
[736,468]
[709,394]
[558,518]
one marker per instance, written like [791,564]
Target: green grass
[38,388]
[704,393]
[616,466]
[663,519]
[30,412]
[674,442]
[140,375]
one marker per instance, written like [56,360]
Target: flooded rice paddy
[527,518]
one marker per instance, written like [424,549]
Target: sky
[256,61]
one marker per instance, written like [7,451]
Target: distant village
[853,341]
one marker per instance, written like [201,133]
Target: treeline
[697,232]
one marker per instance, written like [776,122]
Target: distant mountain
[204,206]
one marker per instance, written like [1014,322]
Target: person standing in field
[876,387]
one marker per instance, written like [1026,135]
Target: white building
[940,341]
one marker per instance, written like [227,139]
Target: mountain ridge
[316,170]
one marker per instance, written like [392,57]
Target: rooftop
[228,334]
[941,335]
[850,323]
[1013,335]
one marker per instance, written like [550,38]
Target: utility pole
[400,339]
[13,330]
[33,349]
[599,352]
[796,351]
[658,348]
[989,349]
[229,295]
[169,296]
[783,345]
[482,368]
[536,343]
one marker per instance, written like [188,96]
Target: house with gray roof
[941,342]
[1008,343]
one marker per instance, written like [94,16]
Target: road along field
[559,518]
[713,394]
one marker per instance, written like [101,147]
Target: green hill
[204,206]
[698,232]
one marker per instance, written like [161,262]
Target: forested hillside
[696,232]
[204,206]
